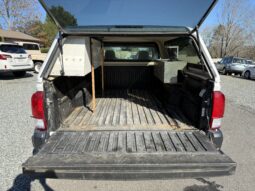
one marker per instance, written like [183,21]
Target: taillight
[38,110]
[4,56]
[217,109]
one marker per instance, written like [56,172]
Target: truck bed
[127,110]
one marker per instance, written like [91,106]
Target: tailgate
[123,155]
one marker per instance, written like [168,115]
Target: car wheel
[19,73]
[224,72]
[38,66]
[247,74]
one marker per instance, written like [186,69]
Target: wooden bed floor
[126,109]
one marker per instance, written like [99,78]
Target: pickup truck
[128,91]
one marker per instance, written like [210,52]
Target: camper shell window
[131,52]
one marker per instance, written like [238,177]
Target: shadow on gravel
[10,76]
[23,182]
[210,186]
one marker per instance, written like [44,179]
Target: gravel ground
[16,127]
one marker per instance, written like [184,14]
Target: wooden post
[102,69]
[92,79]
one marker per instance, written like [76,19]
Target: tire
[19,73]
[37,66]
[247,74]
[224,72]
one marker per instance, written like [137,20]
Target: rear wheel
[19,73]
[38,66]
[224,71]
[247,74]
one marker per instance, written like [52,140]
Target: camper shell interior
[138,83]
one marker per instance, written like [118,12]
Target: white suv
[15,59]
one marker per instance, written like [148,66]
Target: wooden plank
[159,109]
[140,109]
[164,112]
[105,110]
[135,114]
[86,118]
[109,117]
[149,143]
[102,69]
[93,83]
[140,142]
[185,141]
[116,115]
[144,100]
[96,115]
[129,111]
[158,142]
[167,142]
[177,119]
[73,115]
[153,109]
[79,117]
[123,109]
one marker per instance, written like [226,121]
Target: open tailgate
[112,155]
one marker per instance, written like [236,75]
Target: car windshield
[31,46]
[14,49]
[118,52]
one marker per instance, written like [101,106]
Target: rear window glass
[14,49]
[237,60]
[31,46]
[182,49]
[130,52]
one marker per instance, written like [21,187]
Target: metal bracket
[60,45]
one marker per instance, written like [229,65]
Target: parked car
[249,72]
[103,113]
[34,50]
[13,58]
[230,64]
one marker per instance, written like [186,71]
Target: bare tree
[235,17]
[235,29]
[15,13]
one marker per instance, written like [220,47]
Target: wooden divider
[92,79]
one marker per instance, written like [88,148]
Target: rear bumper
[136,172]
[6,67]
[216,136]
[38,139]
